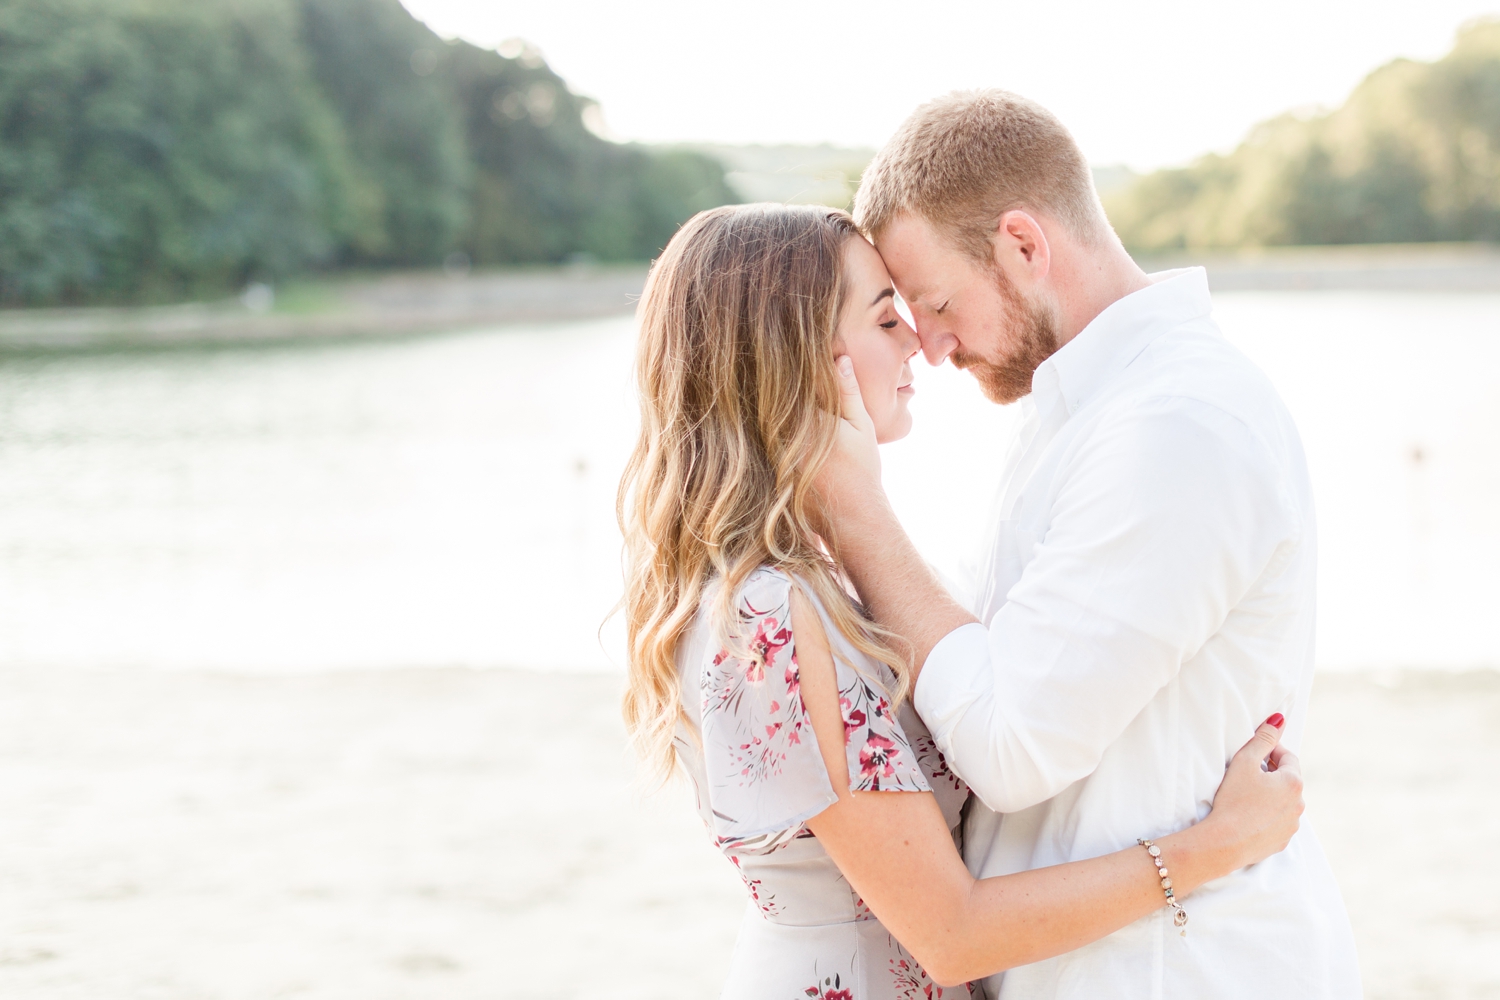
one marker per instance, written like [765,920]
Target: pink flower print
[853,718]
[767,903]
[793,677]
[877,757]
[932,761]
[838,995]
[769,639]
[912,982]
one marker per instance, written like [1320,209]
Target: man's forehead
[909,249]
[912,284]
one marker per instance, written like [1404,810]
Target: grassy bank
[415,302]
[389,304]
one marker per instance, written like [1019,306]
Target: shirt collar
[1118,335]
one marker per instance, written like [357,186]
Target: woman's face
[877,340]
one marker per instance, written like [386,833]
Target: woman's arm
[896,851]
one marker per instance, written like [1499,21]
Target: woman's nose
[910,343]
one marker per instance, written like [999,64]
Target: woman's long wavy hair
[739,411]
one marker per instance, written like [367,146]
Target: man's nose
[936,346]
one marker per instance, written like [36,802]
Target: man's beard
[1033,339]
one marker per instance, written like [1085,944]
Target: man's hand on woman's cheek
[851,476]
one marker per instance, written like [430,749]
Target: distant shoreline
[408,303]
[396,304]
[1399,267]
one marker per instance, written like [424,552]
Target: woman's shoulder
[767,585]
[758,621]
[765,592]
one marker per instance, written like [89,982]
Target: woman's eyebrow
[885,293]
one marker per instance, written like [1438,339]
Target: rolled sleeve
[1158,525]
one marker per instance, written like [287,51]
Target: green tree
[153,148]
[546,186]
[1413,155]
[374,63]
[161,148]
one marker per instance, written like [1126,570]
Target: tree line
[1412,156]
[156,149]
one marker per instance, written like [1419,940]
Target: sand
[456,834]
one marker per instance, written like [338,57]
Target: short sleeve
[881,757]
[879,753]
[765,773]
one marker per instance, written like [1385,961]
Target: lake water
[449,500]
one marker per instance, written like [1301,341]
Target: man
[1148,595]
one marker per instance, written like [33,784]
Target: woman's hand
[1259,802]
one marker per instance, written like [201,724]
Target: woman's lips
[908,387]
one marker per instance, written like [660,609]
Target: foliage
[546,186]
[1413,155]
[153,149]
[401,125]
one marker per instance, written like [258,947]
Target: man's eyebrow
[886,293]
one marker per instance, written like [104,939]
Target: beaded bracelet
[1179,916]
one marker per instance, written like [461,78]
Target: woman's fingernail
[846,367]
[1275,721]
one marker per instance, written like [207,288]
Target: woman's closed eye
[889,324]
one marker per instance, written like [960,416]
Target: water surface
[449,500]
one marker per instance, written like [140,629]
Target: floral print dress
[759,776]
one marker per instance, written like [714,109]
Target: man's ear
[1021,247]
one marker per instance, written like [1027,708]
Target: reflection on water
[1398,399]
[448,501]
[437,501]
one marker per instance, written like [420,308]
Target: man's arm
[1168,515]
[1161,523]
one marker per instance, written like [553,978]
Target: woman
[752,667]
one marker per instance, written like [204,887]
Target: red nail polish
[1276,720]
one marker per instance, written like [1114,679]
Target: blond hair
[739,410]
[963,160]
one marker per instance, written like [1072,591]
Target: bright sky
[1147,83]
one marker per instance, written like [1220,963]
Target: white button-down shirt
[1148,600]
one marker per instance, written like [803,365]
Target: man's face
[972,315]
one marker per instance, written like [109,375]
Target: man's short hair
[962,161]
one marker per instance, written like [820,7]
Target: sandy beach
[470,833]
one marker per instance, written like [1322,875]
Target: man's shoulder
[1194,405]
[1197,369]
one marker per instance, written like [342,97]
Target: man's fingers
[846,373]
[848,384]
[851,403]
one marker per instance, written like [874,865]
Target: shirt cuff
[959,661]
